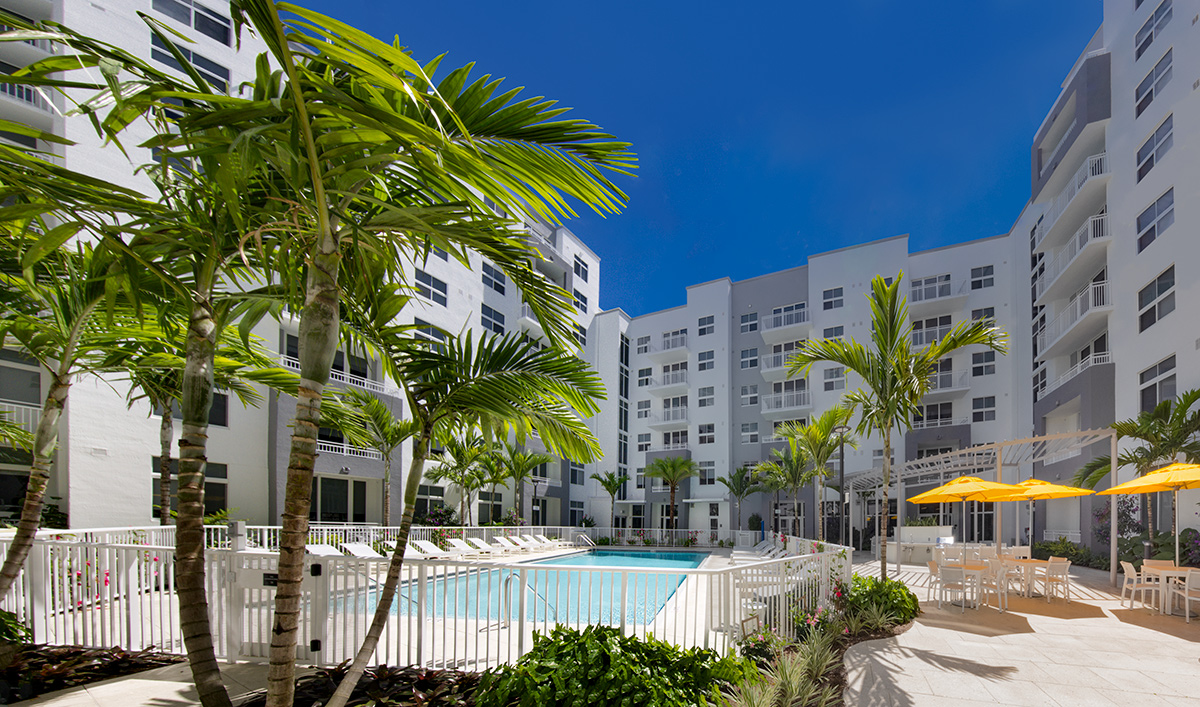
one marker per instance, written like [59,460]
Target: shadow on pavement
[1154,621]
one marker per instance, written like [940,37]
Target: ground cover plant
[384,685]
[38,669]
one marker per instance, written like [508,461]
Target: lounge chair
[484,547]
[470,551]
[363,551]
[431,550]
[555,543]
[762,547]
[510,545]
[323,550]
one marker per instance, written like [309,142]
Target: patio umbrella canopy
[1169,478]
[1038,490]
[966,488]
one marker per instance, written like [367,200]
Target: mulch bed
[384,685]
[38,669]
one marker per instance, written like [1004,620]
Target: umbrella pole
[1175,502]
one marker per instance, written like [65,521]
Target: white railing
[947,380]
[1061,141]
[527,313]
[670,447]
[348,450]
[446,613]
[21,414]
[938,422]
[1095,359]
[1094,229]
[25,93]
[1051,535]
[930,291]
[1093,296]
[672,378]
[930,335]
[1061,456]
[44,44]
[1093,167]
[785,319]
[673,343]
[786,401]
[674,415]
[775,361]
[346,378]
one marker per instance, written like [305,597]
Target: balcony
[344,378]
[670,447]
[669,383]
[27,95]
[788,326]
[931,335]
[40,47]
[529,322]
[774,367]
[1082,320]
[778,404]
[347,450]
[669,419]
[22,415]
[934,422]
[926,297]
[948,384]
[670,348]
[1096,359]
[1083,194]
[1085,252]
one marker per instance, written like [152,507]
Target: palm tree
[672,471]
[519,465]
[459,464]
[741,482]
[771,483]
[501,385]
[1164,434]
[789,470]
[375,426]
[896,375]
[495,472]
[612,483]
[817,442]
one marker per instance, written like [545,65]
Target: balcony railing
[347,450]
[1094,229]
[1093,296]
[670,447]
[931,335]
[775,361]
[1052,535]
[786,401]
[1096,359]
[932,291]
[674,415]
[345,378]
[672,343]
[44,44]
[1093,167]
[786,319]
[932,422]
[24,416]
[25,93]
[672,378]
[949,380]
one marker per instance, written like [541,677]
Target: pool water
[556,591]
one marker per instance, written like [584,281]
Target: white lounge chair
[323,550]
[555,543]
[469,551]
[363,551]
[497,549]
[762,547]
[431,550]
[509,544]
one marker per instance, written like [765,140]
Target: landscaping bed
[38,669]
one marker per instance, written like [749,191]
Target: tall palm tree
[895,373]
[612,483]
[459,463]
[1163,435]
[741,482]
[817,442]
[495,472]
[672,471]
[519,465]
[774,484]
[374,425]
[500,385]
[789,470]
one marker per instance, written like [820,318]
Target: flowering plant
[762,646]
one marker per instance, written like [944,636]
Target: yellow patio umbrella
[1169,478]
[965,488]
[1038,490]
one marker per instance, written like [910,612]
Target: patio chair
[324,550]
[995,581]
[988,553]
[470,551]
[1057,579]
[1159,563]
[953,553]
[935,579]
[509,545]
[762,546]
[362,551]
[556,543]
[433,551]
[1134,583]
[954,580]
[1189,591]
[1020,552]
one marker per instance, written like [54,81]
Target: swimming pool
[567,589]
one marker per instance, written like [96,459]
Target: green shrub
[604,540]
[763,647]
[1079,555]
[755,522]
[12,630]
[927,522]
[889,595]
[601,666]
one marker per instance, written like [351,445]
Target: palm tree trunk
[318,344]
[672,509]
[383,608]
[820,509]
[166,432]
[796,508]
[44,441]
[883,511]
[1150,527]
[196,400]
[387,490]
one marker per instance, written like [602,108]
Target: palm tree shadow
[884,680]
[1170,625]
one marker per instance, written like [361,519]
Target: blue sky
[766,132]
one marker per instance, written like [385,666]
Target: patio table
[1028,567]
[973,571]
[1164,573]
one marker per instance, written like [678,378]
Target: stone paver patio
[1089,652]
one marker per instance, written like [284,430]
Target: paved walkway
[1089,652]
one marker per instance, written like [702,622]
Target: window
[577,514]
[439,253]
[983,409]
[707,434]
[581,269]
[833,332]
[1157,218]
[930,331]
[705,398]
[933,415]
[982,277]
[749,322]
[218,414]
[749,395]
[490,507]
[644,378]
[708,473]
[1152,28]
[429,497]
[195,15]
[216,484]
[835,378]
[1157,383]
[431,288]
[706,361]
[675,440]
[624,350]
[984,313]
[705,325]
[832,298]
[749,358]
[622,448]
[643,409]
[581,335]
[643,344]
[675,409]
[623,415]
[493,278]
[577,472]
[643,442]
[639,478]
[492,320]
[1153,84]
[1154,149]
[216,75]
[983,364]
[927,288]
[778,427]
[637,514]
[580,301]
[1156,300]
[21,385]
[749,432]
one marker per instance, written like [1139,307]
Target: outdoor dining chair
[935,579]
[1189,591]
[954,580]
[1057,579]
[994,581]
[1136,583]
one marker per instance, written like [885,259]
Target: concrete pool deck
[1089,652]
